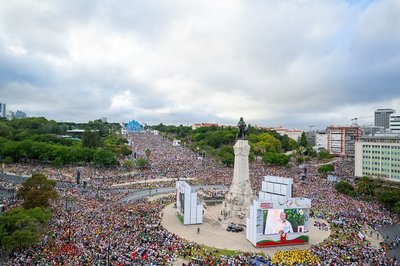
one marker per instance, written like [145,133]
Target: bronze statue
[242,129]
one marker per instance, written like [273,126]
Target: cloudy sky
[289,63]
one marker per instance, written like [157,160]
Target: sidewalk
[375,238]
[150,181]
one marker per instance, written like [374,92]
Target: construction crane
[354,120]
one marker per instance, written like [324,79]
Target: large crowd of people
[100,228]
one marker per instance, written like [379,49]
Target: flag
[133,254]
[144,255]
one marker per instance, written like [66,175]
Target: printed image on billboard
[189,209]
[180,204]
[282,226]
[277,221]
[182,201]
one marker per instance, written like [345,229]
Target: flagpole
[108,250]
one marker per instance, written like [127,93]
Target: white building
[198,125]
[321,141]
[19,114]
[3,110]
[371,130]
[342,139]
[394,123]
[382,117]
[294,134]
[155,132]
[10,115]
[378,156]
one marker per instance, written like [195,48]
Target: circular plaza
[210,233]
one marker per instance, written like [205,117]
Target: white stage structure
[189,210]
[275,217]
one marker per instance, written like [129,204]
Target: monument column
[240,195]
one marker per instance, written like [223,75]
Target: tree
[142,163]
[397,207]
[20,227]
[226,155]
[264,143]
[389,198]
[91,139]
[299,160]
[105,158]
[36,191]
[309,151]
[303,140]
[365,186]
[345,188]
[323,169]
[6,131]
[148,153]
[324,154]
[292,145]
[128,164]
[276,158]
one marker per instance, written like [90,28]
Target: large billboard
[275,223]
[189,209]
[180,199]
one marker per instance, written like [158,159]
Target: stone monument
[240,196]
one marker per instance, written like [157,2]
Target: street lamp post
[68,209]
[108,249]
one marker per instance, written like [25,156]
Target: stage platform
[212,235]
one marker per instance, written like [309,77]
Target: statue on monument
[237,201]
[242,129]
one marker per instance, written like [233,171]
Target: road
[389,232]
[133,194]
[143,193]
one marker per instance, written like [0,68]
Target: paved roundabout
[213,236]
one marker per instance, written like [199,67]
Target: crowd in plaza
[96,230]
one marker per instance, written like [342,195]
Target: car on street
[234,228]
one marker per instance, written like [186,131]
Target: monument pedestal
[240,196]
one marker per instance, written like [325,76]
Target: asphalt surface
[133,194]
[19,179]
[143,193]
[389,233]
[13,178]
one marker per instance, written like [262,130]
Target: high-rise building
[394,123]
[310,136]
[341,140]
[371,130]
[378,156]
[20,114]
[3,110]
[10,115]
[321,141]
[382,117]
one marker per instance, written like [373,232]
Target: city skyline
[290,64]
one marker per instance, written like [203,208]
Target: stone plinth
[240,195]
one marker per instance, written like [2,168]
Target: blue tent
[133,126]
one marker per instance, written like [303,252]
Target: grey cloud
[277,62]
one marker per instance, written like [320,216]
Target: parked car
[234,228]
